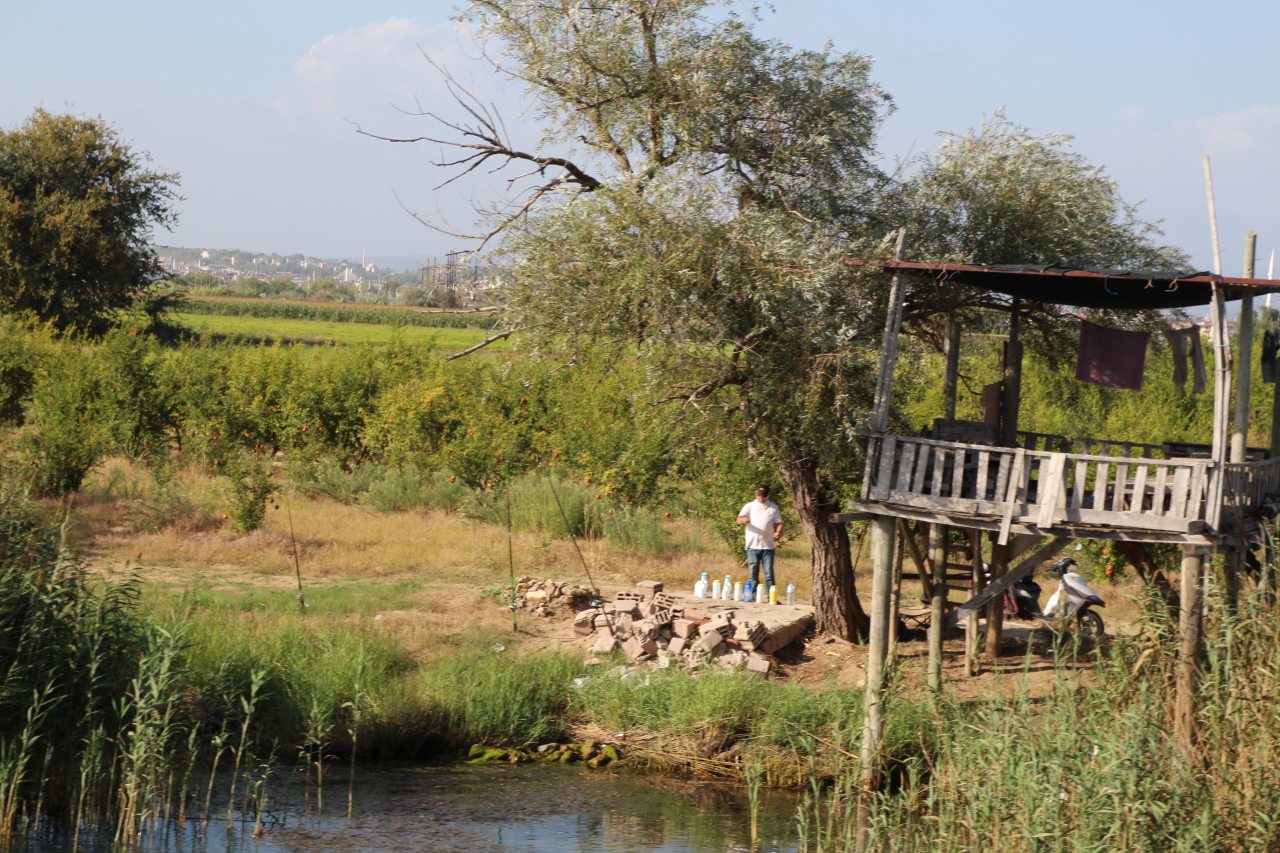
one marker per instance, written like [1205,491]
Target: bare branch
[483,344]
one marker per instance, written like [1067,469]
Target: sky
[257,105]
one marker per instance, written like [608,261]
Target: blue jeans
[758,557]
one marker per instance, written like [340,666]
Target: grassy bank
[280,309]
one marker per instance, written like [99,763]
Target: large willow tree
[687,202]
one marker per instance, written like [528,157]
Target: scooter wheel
[1091,625]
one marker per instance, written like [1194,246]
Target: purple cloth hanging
[1111,358]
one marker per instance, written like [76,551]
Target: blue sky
[254,103]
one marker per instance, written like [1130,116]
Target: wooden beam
[845,517]
[1048,551]
[995,608]
[977,580]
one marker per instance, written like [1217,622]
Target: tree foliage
[77,209]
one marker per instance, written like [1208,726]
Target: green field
[350,333]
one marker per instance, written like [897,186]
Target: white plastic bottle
[715,589]
[727,590]
[791,593]
[700,588]
[737,591]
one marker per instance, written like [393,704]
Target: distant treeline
[334,313]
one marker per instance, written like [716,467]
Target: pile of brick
[649,626]
[543,595]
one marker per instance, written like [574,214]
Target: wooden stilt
[938,603]
[882,540]
[895,593]
[977,581]
[1188,659]
[995,608]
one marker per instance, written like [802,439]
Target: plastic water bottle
[726,591]
[737,591]
[700,588]
[791,593]
[715,589]
[747,591]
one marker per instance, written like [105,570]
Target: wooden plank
[924,572]
[1139,489]
[984,463]
[1122,483]
[1002,476]
[846,517]
[1157,499]
[1100,479]
[906,467]
[1051,489]
[957,473]
[922,468]
[1015,489]
[939,458]
[1181,481]
[887,450]
[1020,544]
[1077,493]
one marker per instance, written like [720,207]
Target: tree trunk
[833,590]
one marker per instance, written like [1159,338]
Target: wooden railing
[1248,486]
[1053,443]
[1040,487]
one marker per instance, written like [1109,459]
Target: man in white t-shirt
[763,522]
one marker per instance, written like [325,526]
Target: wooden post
[977,582]
[895,592]
[951,372]
[1011,399]
[995,608]
[1221,401]
[1244,358]
[889,354]
[882,541]
[1188,659]
[938,537]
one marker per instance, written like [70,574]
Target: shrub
[251,486]
[66,438]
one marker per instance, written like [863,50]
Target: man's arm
[777,527]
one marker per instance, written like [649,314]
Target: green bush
[66,435]
[251,481]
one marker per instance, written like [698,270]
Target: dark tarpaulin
[1084,288]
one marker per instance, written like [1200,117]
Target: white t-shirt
[762,518]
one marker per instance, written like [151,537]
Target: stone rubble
[653,630]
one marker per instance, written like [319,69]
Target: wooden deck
[1059,490]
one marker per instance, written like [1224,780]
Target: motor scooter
[1073,599]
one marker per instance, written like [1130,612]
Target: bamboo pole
[1213,217]
[1011,397]
[938,603]
[895,593]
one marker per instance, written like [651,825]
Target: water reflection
[441,809]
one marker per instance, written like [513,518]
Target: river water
[457,808]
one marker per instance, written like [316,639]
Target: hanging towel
[1186,342]
[1270,347]
[1111,358]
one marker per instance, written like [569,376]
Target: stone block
[710,640]
[684,628]
[649,588]
[605,643]
[677,645]
[759,664]
[638,649]
[664,601]
[583,629]
[629,596]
